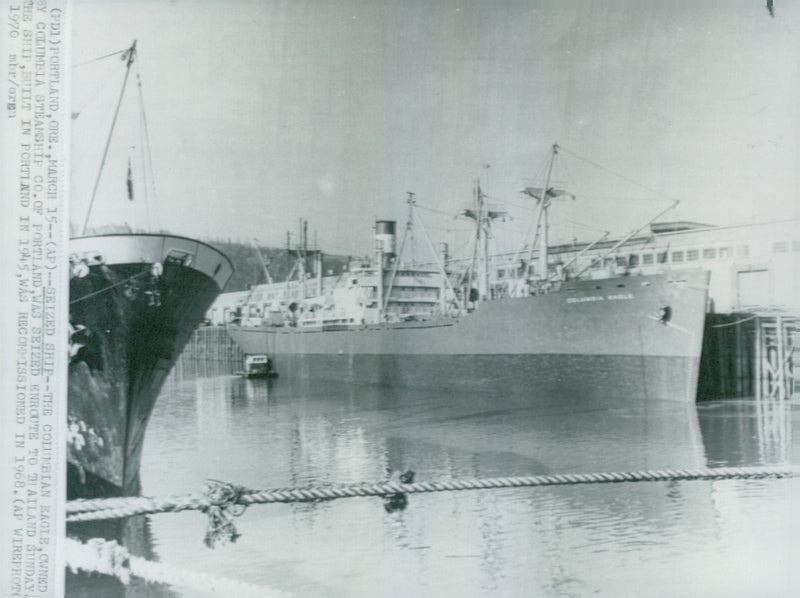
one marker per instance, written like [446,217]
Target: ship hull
[646,329]
[135,301]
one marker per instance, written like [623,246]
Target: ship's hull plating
[130,321]
[647,329]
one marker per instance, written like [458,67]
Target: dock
[751,354]
[209,352]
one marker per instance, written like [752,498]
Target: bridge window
[709,253]
[692,255]
[677,257]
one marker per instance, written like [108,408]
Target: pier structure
[751,354]
[210,352]
[777,338]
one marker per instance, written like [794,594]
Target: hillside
[248,268]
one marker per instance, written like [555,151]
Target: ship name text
[590,298]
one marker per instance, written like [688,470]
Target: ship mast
[478,216]
[484,215]
[412,216]
[545,274]
[485,225]
[129,56]
[541,220]
[254,243]
[383,300]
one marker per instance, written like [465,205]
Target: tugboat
[258,366]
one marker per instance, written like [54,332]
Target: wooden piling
[749,355]
[758,357]
[780,369]
[210,352]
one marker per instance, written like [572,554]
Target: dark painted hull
[578,339]
[130,324]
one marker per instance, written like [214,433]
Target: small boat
[258,366]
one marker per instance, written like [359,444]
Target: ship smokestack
[385,237]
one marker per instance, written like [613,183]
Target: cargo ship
[552,333]
[134,301]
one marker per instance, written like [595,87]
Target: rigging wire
[560,220]
[539,176]
[616,174]
[450,229]
[99,58]
[148,164]
[130,56]
[95,94]
[434,210]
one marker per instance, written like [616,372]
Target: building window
[621,262]
[692,255]
[501,273]
[677,257]
[634,260]
[724,253]
[780,246]
[662,257]
[709,253]
[647,258]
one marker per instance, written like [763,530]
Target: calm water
[726,538]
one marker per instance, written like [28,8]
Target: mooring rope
[742,321]
[110,287]
[108,557]
[112,508]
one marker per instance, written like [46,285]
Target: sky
[260,113]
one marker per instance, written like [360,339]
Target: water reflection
[646,539]
[747,432]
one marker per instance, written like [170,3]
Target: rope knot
[398,501]
[223,499]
